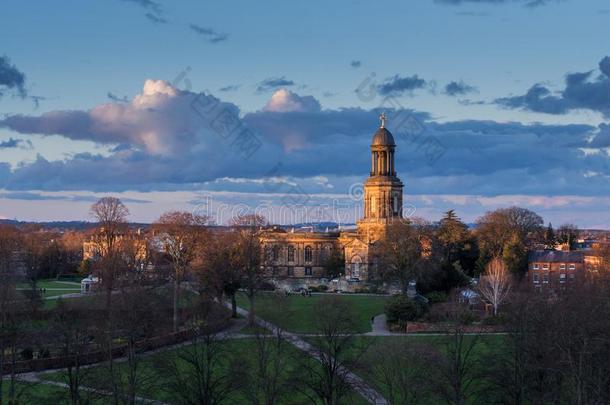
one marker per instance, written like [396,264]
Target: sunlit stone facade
[303,254]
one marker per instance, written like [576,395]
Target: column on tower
[372,163]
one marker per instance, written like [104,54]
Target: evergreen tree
[515,256]
[457,244]
[549,237]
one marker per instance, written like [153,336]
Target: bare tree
[249,255]
[9,245]
[71,326]
[267,377]
[111,215]
[137,309]
[402,253]
[337,350]
[219,267]
[181,235]
[495,285]
[405,371]
[458,366]
[205,372]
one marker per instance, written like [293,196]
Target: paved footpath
[380,326]
[357,383]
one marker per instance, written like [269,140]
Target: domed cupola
[383,137]
[382,151]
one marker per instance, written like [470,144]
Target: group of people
[305,292]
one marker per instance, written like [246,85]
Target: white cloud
[286,101]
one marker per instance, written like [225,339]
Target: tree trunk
[251,311]
[1,363]
[11,387]
[176,301]
[233,306]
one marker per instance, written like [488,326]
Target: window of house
[536,279]
[545,266]
[276,252]
[291,253]
[291,271]
[308,254]
[274,271]
[562,278]
[536,266]
[572,266]
[562,266]
[545,278]
[308,271]
[572,276]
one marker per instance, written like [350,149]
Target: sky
[223,108]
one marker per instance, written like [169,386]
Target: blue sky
[510,100]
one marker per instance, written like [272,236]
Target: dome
[383,137]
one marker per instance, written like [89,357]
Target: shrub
[371,289]
[266,286]
[401,309]
[318,288]
[494,320]
[69,277]
[27,353]
[435,297]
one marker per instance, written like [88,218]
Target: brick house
[555,270]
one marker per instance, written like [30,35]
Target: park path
[34,378]
[380,327]
[358,384]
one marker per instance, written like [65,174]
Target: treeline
[446,254]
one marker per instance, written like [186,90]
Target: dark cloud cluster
[459,89]
[11,78]
[583,90]
[398,85]
[13,143]
[229,87]
[156,18]
[209,34]
[163,143]
[273,83]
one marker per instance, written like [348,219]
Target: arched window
[355,264]
[308,254]
[276,252]
[291,253]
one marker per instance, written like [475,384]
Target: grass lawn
[299,316]
[54,284]
[156,381]
[53,288]
[28,393]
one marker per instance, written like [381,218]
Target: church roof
[383,137]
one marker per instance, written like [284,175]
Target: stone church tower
[382,190]
[301,256]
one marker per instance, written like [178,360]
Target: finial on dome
[382,117]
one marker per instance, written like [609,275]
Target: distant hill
[62,225]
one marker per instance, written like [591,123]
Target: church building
[303,254]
